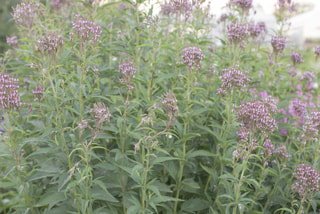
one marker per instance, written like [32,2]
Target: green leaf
[107,5]
[189,182]
[195,205]
[63,180]
[162,159]
[201,153]
[51,198]
[102,193]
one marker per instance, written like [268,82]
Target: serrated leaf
[163,159]
[51,198]
[189,182]
[197,153]
[195,205]
[106,196]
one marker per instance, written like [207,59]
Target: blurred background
[304,31]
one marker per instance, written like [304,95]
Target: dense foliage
[113,109]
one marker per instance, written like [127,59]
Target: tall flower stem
[153,71]
[146,159]
[240,184]
[137,45]
[16,157]
[186,125]
[123,138]
[60,125]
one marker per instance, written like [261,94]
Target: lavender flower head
[58,3]
[122,6]
[244,148]
[50,44]
[170,103]
[9,96]
[37,93]
[222,18]
[308,76]
[286,4]
[26,13]
[192,57]
[298,108]
[177,7]
[243,5]
[100,113]
[257,116]
[278,44]
[127,70]
[296,58]
[269,149]
[269,102]
[307,180]
[311,127]
[12,41]
[255,30]
[237,33]
[233,79]
[281,153]
[86,31]
[167,9]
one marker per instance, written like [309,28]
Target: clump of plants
[111,108]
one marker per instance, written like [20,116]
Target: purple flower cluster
[269,101]
[308,76]
[127,70]
[192,57]
[122,6]
[281,152]
[298,108]
[317,52]
[12,41]
[255,30]
[296,58]
[37,93]
[223,18]
[257,116]
[243,133]
[166,9]
[86,30]
[233,79]
[9,96]
[287,4]
[244,149]
[170,103]
[243,5]
[311,127]
[307,180]
[26,13]
[177,7]
[100,113]
[58,3]
[269,147]
[278,44]
[237,33]
[50,44]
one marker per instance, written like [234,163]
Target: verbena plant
[113,109]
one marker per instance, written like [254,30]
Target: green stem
[186,123]
[145,180]
[58,119]
[12,144]
[239,184]
[123,136]
[137,46]
[300,211]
